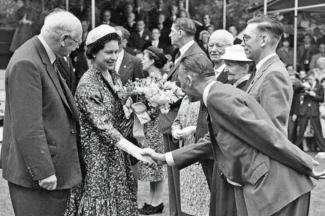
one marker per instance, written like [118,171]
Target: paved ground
[317,200]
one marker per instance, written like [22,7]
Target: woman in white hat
[237,65]
[109,186]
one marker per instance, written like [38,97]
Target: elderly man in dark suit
[182,36]
[39,155]
[127,66]
[267,172]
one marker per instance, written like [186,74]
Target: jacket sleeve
[192,153]
[319,97]
[246,119]
[25,92]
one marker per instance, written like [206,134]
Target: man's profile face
[252,41]
[175,35]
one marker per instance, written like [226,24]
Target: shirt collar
[48,50]
[261,62]
[119,60]
[218,70]
[184,48]
[206,92]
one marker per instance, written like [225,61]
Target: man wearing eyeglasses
[39,154]
[272,88]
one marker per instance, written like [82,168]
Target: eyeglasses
[76,41]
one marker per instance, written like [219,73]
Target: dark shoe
[155,209]
[144,209]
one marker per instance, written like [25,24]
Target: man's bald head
[62,31]
[218,41]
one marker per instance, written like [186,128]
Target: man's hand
[186,132]
[320,155]
[159,158]
[147,160]
[318,175]
[312,93]
[48,183]
[177,133]
[294,117]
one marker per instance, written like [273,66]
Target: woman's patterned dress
[109,187]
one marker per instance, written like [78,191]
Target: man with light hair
[40,155]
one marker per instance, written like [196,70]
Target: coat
[41,121]
[250,151]
[308,105]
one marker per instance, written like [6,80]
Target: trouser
[207,166]
[37,202]
[173,179]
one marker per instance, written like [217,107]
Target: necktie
[177,57]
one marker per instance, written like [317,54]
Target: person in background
[153,18]
[297,88]
[140,37]
[173,11]
[204,41]
[39,154]
[233,30]
[127,66]
[206,20]
[155,40]
[237,65]
[153,60]
[287,35]
[321,53]
[106,18]
[309,126]
[29,23]
[109,184]
[130,23]
[318,37]
[306,51]
[322,110]
[78,57]
[164,31]
[140,13]
[285,52]
[211,29]
[302,75]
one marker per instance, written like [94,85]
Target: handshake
[151,158]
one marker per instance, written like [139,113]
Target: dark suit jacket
[166,120]
[39,137]
[251,151]
[308,105]
[272,88]
[131,68]
[137,42]
[68,73]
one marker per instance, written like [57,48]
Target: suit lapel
[52,73]
[194,49]
[260,72]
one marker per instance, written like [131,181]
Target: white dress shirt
[263,60]
[183,49]
[218,70]
[119,61]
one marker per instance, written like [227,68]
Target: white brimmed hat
[98,33]
[235,53]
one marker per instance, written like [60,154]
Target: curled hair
[198,64]
[98,45]
[159,59]
[268,24]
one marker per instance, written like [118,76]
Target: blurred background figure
[309,126]
[233,30]
[30,20]
[285,52]
[106,18]
[204,41]
[315,57]
[306,51]
[140,37]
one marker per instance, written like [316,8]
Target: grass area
[317,207]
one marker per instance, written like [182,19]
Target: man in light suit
[256,158]
[127,66]
[182,36]
[39,154]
